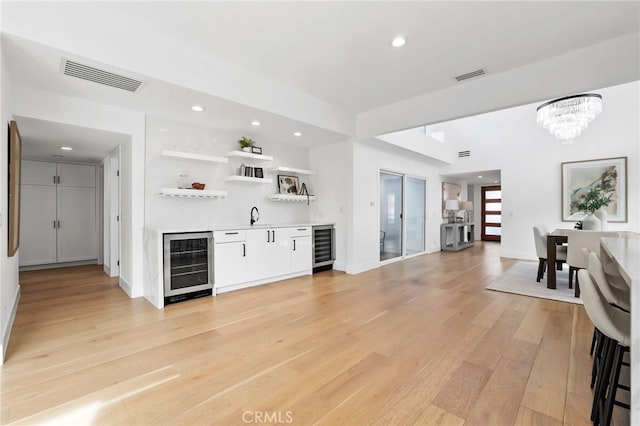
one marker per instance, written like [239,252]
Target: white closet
[58,221]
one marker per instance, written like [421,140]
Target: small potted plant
[246,143]
[599,196]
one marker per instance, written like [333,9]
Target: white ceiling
[338,52]
[41,140]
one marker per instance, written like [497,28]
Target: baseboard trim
[106,269]
[518,255]
[58,265]
[363,267]
[7,329]
[126,287]
[339,266]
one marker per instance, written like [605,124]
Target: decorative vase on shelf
[603,216]
[246,148]
[591,223]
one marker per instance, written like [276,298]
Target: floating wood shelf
[192,193]
[247,179]
[291,197]
[291,170]
[249,156]
[190,156]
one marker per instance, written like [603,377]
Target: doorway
[491,213]
[402,215]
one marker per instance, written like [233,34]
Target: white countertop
[171,230]
[626,252]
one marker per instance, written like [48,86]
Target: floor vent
[472,74]
[85,72]
[463,154]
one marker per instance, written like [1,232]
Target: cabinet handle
[302,229]
[58,224]
[274,237]
[268,236]
[244,250]
[230,233]
[54,178]
[294,245]
[58,179]
[54,224]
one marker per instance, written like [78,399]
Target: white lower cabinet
[229,258]
[257,255]
[301,254]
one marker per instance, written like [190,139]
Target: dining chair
[540,238]
[576,258]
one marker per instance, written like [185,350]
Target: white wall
[9,286]
[415,140]
[236,207]
[530,161]
[369,157]
[78,112]
[331,164]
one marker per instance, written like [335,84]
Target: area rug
[521,279]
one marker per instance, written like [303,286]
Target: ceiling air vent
[85,72]
[463,154]
[472,74]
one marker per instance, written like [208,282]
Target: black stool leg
[613,383]
[603,379]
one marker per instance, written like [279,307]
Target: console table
[456,236]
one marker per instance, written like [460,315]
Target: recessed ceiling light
[58,156]
[66,148]
[164,129]
[197,108]
[297,134]
[399,41]
[480,176]
[255,123]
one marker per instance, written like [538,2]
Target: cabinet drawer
[302,231]
[229,236]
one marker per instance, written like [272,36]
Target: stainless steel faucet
[255,218]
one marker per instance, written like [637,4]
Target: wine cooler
[324,251]
[188,266]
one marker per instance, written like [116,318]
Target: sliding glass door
[390,215]
[402,215]
[416,217]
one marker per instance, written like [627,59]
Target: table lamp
[467,206]
[452,206]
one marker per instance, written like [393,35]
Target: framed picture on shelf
[288,184]
[258,172]
[579,177]
[256,150]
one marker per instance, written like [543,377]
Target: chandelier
[567,117]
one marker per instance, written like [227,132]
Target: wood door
[491,213]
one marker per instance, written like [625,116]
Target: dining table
[557,237]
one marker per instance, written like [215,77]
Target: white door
[38,173]
[301,254]
[77,224]
[229,264]
[38,221]
[76,175]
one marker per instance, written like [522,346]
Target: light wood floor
[414,342]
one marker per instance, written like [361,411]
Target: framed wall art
[450,191]
[288,184]
[579,177]
[15,158]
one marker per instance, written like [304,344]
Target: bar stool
[615,325]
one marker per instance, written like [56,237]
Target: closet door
[77,230]
[38,173]
[37,232]
[77,175]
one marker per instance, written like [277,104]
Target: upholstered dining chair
[576,258]
[540,238]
